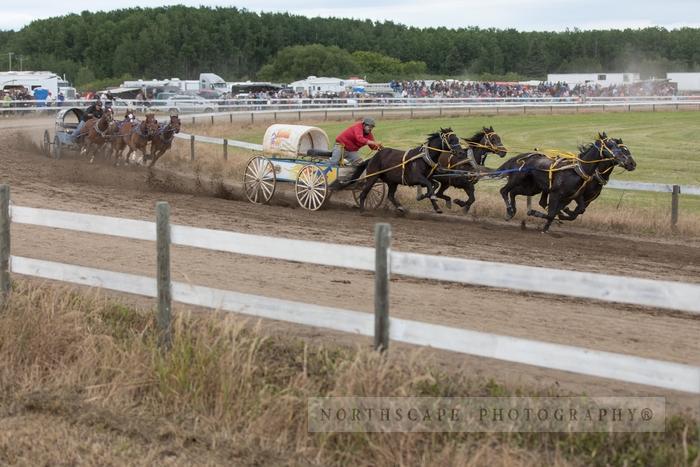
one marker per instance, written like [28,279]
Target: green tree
[298,62]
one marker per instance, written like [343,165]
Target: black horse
[479,146]
[594,186]
[563,179]
[412,167]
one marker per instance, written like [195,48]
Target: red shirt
[353,138]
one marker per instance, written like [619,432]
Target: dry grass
[83,383]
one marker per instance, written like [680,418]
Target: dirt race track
[72,184]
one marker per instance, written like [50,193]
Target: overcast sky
[524,15]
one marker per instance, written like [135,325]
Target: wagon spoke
[311,188]
[259,180]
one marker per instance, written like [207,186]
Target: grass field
[663,144]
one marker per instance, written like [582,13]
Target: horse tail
[510,164]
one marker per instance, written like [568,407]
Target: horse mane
[437,134]
[585,147]
[476,137]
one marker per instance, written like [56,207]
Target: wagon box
[300,154]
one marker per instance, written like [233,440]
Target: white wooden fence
[658,294]
[438,105]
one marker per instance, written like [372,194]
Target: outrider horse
[478,147]
[563,179]
[96,133]
[413,167]
[163,140]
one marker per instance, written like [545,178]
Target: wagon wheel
[46,148]
[312,188]
[56,147]
[259,180]
[375,197]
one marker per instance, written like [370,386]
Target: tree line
[180,41]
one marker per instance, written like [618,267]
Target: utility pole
[10,54]
[21,58]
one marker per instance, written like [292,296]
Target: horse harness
[573,163]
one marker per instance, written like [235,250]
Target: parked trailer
[300,155]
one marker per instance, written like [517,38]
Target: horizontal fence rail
[207,107]
[620,289]
[626,368]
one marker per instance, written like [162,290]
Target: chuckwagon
[67,121]
[300,155]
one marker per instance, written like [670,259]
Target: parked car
[183,103]
[162,96]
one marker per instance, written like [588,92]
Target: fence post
[212,119]
[325,116]
[230,118]
[164,286]
[225,149]
[382,242]
[192,147]
[274,114]
[192,120]
[4,243]
[252,118]
[299,115]
[674,207]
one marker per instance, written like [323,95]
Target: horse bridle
[445,143]
[604,147]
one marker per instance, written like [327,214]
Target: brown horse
[136,136]
[163,140]
[96,133]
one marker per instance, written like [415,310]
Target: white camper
[603,79]
[687,82]
[31,80]
[314,86]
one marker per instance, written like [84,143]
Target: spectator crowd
[454,88]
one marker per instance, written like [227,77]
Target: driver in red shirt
[349,142]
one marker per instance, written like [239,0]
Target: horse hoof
[438,211]
[509,215]
[531,212]
[523,226]
[448,204]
